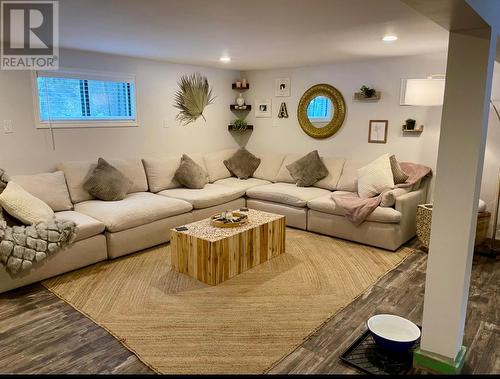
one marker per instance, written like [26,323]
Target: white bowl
[393,332]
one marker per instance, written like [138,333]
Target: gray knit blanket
[23,246]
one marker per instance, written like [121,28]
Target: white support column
[458,179]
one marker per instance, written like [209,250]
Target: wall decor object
[321,111]
[282,87]
[377,131]
[240,100]
[193,95]
[263,108]
[367,94]
[283,112]
[410,127]
[239,125]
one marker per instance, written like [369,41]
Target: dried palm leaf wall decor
[193,95]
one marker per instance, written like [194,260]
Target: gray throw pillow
[397,172]
[107,183]
[242,164]
[190,174]
[308,170]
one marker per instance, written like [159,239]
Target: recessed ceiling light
[389,38]
[225,59]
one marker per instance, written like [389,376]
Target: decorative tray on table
[229,219]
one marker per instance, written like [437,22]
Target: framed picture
[263,108]
[377,131]
[282,87]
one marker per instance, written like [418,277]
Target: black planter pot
[410,125]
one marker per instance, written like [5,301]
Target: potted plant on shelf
[367,92]
[410,124]
[240,125]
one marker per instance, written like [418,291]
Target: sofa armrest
[407,204]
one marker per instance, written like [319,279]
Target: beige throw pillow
[375,177]
[308,170]
[107,183]
[190,174]
[242,164]
[25,207]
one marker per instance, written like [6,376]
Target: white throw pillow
[25,207]
[375,177]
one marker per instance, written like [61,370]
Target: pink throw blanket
[357,209]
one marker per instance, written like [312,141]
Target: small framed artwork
[377,131]
[282,87]
[263,108]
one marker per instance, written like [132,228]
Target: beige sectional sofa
[157,203]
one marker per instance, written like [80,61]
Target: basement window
[75,99]
[320,109]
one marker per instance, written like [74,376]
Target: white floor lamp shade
[422,92]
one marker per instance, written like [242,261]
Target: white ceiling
[257,34]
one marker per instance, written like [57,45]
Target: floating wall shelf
[235,107]
[415,131]
[232,128]
[358,96]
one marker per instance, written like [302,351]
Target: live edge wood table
[214,255]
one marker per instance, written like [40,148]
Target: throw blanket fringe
[357,209]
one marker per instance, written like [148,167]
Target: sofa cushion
[308,169]
[190,174]
[107,183]
[348,180]
[334,166]
[209,196]
[286,193]
[242,164]
[50,187]
[284,175]
[375,177]
[397,172]
[77,172]
[381,214]
[86,226]
[243,184]
[23,206]
[160,172]
[214,164]
[136,209]
[269,167]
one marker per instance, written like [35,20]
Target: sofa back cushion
[77,172]
[270,164]
[214,164]
[50,187]
[348,180]
[334,166]
[161,171]
[283,173]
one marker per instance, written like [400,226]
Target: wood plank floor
[39,333]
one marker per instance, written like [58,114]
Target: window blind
[85,99]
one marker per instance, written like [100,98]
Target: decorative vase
[244,83]
[240,100]
[238,84]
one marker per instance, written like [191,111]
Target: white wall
[29,150]
[285,135]
[352,140]
[491,170]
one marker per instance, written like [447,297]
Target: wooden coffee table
[214,255]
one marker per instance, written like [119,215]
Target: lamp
[423,92]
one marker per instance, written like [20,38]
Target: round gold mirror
[321,111]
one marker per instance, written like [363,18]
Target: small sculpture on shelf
[240,100]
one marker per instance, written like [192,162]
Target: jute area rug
[176,324]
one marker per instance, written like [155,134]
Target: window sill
[88,125]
